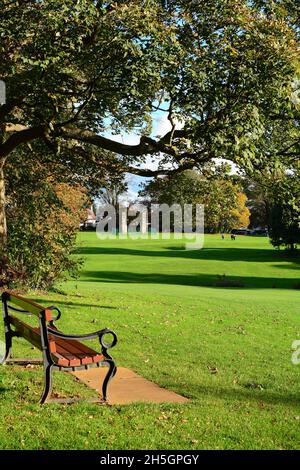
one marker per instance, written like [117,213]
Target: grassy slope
[227,349]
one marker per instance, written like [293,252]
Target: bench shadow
[59,303]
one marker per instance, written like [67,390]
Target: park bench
[60,351]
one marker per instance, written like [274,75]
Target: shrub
[42,230]
[224,281]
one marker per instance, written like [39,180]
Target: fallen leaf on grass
[254,385]
[213,369]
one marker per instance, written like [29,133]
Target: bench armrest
[58,314]
[97,334]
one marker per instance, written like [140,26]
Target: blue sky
[161,126]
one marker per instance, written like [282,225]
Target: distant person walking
[223,236]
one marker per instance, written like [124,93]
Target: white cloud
[127,139]
[162,125]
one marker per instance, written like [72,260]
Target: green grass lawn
[228,349]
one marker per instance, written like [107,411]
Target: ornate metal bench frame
[47,327]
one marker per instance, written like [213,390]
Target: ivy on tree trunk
[3,228]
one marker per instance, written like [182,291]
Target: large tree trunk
[3,228]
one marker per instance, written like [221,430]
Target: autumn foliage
[241,211]
[42,228]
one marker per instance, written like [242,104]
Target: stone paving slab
[128,387]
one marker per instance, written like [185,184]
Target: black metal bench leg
[110,374]
[8,346]
[8,332]
[48,383]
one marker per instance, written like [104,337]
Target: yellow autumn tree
[241,212]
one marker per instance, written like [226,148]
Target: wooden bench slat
[86,354]
[68,351]
[60,360]
[80,351]
[25,304]
[73,347]
[27,332]
[65,353]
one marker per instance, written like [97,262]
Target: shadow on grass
[59,303]
[225,254]
[199,279]
[259,396]
[217,254]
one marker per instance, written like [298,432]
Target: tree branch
[146,146]
[7,108]
[150,173]
[286,150]
[21,137]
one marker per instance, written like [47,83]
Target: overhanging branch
[152,173]
[146,146]
[21,137]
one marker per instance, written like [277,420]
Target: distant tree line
[221,195]
[267,199]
